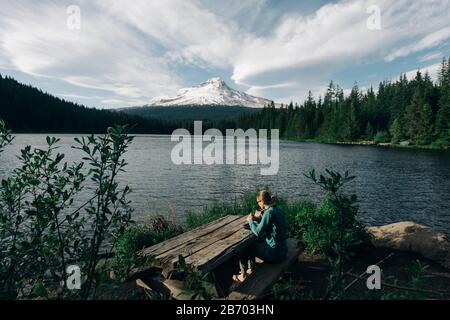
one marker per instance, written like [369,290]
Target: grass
[155,230]
[158,228]
[305,220]
[217,210]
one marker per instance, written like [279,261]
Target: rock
[413,237]
[404,143]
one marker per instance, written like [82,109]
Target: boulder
[413,237]
[404,143]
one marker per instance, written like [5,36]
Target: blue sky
[126,53]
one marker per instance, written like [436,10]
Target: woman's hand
[257,214]
[250,217]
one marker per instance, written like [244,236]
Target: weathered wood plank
[210,257]
[154,283]
[206,240]
[143,272]
[198,244]
[178,293]
[266,275]
[142,284]
[231,251]
[188,236]
[195,239]
[176,290]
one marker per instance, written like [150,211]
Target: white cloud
[245,15]
[104,54]
[185,29]
[429,41]
[129,52]
[432,56]
[336,37]
[76,96]
[433,71]
[334,32]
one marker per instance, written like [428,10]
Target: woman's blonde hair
[266,197]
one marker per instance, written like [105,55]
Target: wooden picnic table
[205,247]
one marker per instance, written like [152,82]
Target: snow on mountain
[212,92]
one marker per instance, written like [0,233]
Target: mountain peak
[213,91]
[215,80]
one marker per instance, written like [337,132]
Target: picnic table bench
[205,249]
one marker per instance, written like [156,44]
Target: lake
[391,184]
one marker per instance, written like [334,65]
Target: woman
[269,225]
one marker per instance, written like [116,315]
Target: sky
[119,53]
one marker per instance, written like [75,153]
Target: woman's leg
[246,262]
[247,259]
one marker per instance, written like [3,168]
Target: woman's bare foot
[239,277]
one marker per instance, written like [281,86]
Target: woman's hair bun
[267,197]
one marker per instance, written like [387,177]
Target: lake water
[391,184]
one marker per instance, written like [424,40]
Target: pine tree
[443,114]
[368,133]
[396,131]
[426,125]
[355,112]
[413,116]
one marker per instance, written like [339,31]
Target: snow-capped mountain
[212,92]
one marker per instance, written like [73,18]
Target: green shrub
[40,231]
[298,216]
[382,137]
[439,143]
[136,238]
[333,230]
[321,228]
[318,227]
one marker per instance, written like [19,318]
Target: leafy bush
[37,233]
[5,136]
[318,227]
[382,137]
[40,231]
[321,228]
[298,215]
[334,230]
[138,237]
[440,143]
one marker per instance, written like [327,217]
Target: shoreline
[368,143]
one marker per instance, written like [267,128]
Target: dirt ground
[310,274]
[308,278]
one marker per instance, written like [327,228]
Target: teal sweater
[273,228]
